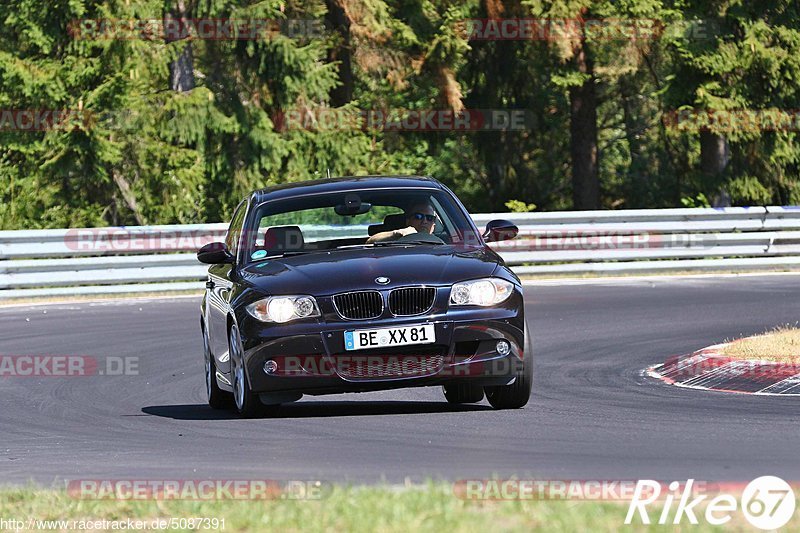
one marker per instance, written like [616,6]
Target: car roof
[345,184]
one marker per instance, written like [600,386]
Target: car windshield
[341,220]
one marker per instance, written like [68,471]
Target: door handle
[209,284]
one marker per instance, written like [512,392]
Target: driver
[420,218]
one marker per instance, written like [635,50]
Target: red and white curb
[709,369]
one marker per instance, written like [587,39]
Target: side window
[235,229]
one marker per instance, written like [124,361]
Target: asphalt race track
[592,415]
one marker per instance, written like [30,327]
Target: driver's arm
[391,235]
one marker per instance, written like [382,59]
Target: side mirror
[500,230]
[214,253]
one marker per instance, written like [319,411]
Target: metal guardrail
[152,258]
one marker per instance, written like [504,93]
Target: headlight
[283,308]
[483,292]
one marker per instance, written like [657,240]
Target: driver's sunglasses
[423,216]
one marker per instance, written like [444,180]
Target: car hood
[325,273]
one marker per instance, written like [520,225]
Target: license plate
[361,339]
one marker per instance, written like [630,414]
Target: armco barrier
[152,258]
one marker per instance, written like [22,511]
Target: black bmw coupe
[361,284]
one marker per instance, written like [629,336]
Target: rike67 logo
[767,503]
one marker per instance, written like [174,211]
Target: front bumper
[311,358]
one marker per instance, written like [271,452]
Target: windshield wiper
[288,253]
[371,245]
[405,243]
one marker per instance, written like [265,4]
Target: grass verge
[431,507]
[780,345]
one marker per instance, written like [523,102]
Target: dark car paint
[414,264]
[324,273]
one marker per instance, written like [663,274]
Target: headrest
[283,238]
[390,223]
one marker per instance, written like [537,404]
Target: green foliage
[698,201]
[430,507]
[747,190]
[326,216]
[518,206]
[141,152]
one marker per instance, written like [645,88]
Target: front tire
[462,393]
[247,403]
[518,393]
[217,398]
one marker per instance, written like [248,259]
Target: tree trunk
[714,154]
[583,133]
[638,177]
[181,70]
[128,196]
[336,19]
[714,158]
